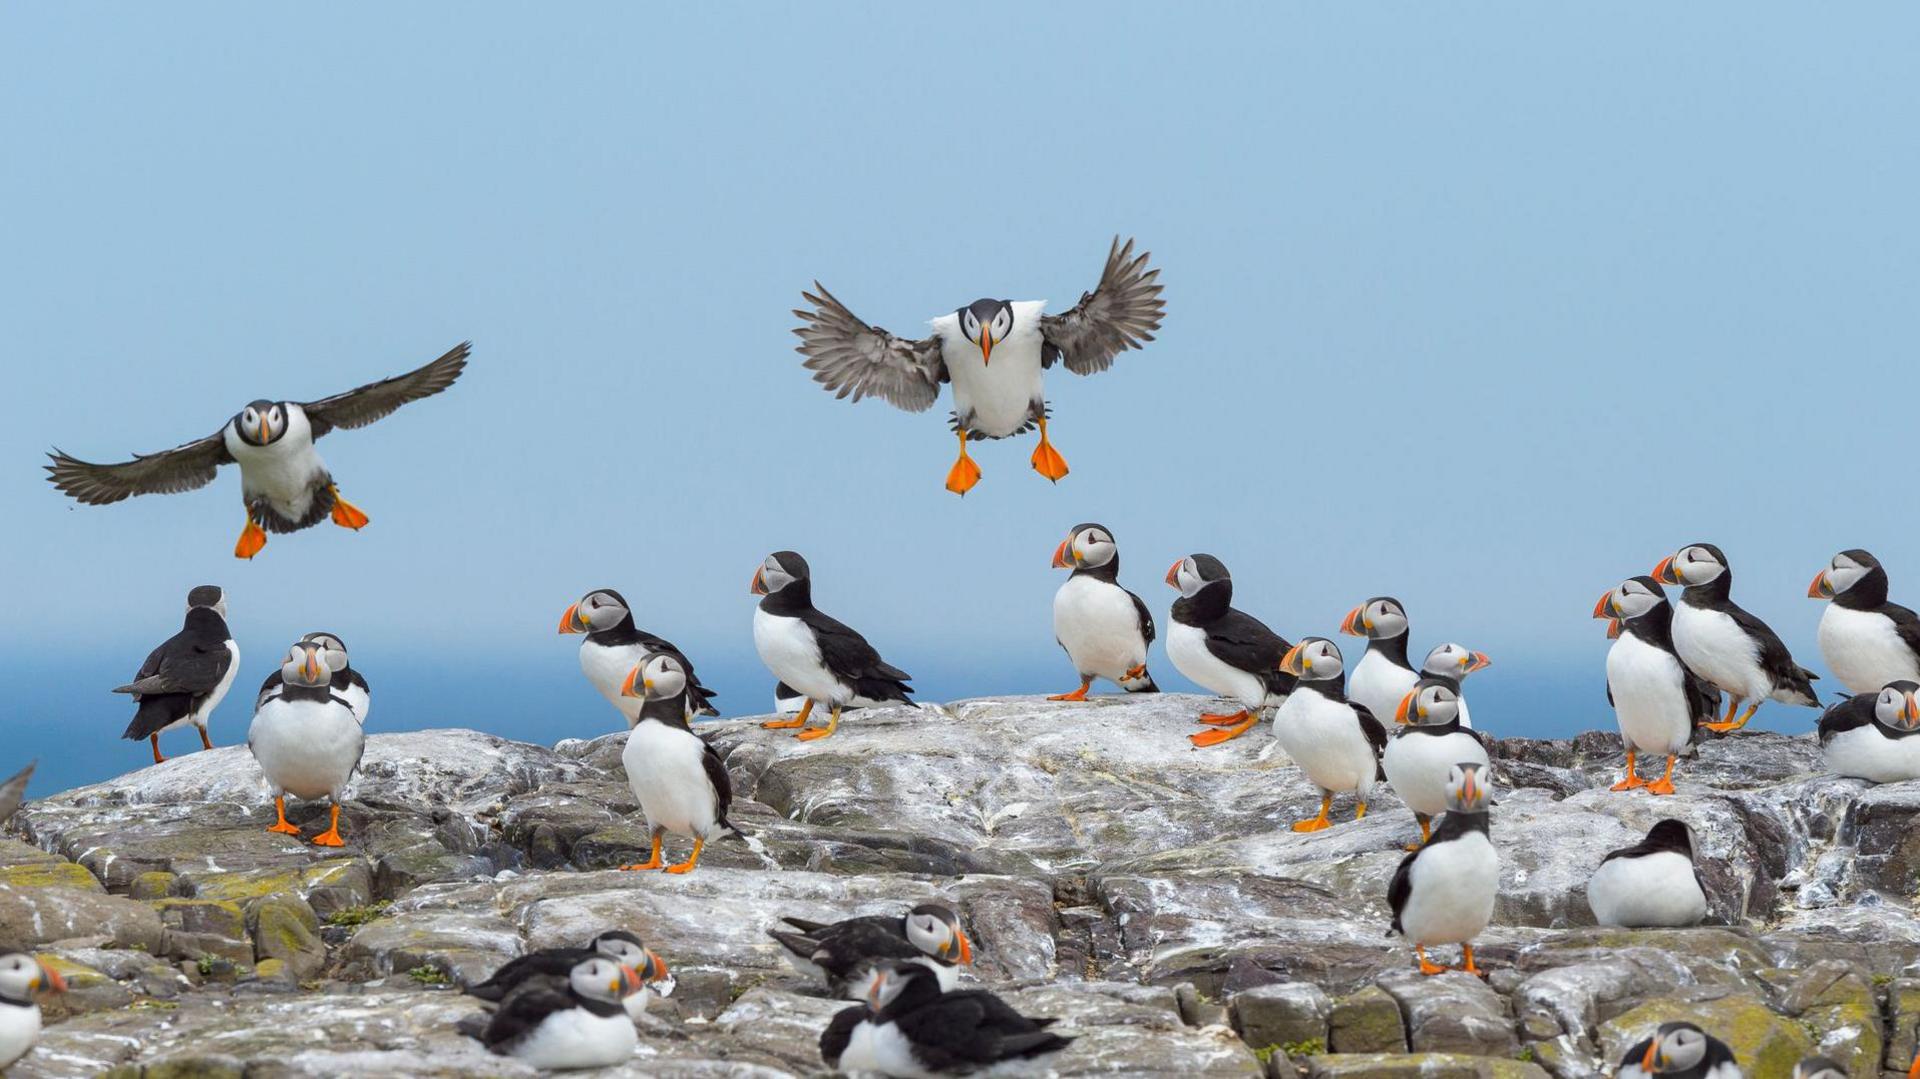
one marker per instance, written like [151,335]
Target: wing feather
[183,468]
[1122,312]
[851,358]
[375,400]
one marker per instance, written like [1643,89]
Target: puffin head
[1195,572]
[1468,791]
[657,677]
[986,323]
[1898,706]
[1694,564]
[782,569]
[893,979]
[935,929]
[1315,659]
[1847,569]
[1085,545]
[306,665]
[261,423]
[1819,1068]
[1429,703]
[210,596]
[336,649]
[1453,661]
[600,609]
[1675,1047]
[1630,598]
[21,975]
[603,979]
[1672,833]
[1376,619]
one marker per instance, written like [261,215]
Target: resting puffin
[188,676]
[1443,893]
[1336,742]
[993,351]
[306,740]
[1104,628]
[283,483]
[909,1027]
[581,1023]
[1452,663]
[816,655]
[1228,652]
[618,945]
[1652,884]
[1679,1050]
[1725,645]
[1425,746]
[844,953]
[1870,736]
[348,683]
[1866,640]
[1383,675]
[613,646]
[1657,699]
[680,780]
[20,976]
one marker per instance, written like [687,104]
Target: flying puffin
[187,677]
[613,646]
[1657,699]
[1866,640]
[1681,1051]
[580,1023]
[1652,884]
[1725,645]
[993,351]
[1452,663]
[816,655]
[909,1027]
[680,780]
[555,964]
[1336,742]
[1383,675]
[1443,893]
[844,953]
[348,683]
[1427,742]
[283,483]
[1870,736]
[1104,628]
[20,976]
[1226,651]
[306,739]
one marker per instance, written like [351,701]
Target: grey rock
[1282,1014]
[1367,1021]
[1452,1013]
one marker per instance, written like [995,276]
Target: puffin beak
[1350,625]
[1400,710]
[626,983]
[759,584]
[1613,628]
[570,620]
[1651,1061]
[265,432]
[310,667]
[1819,589]
[626,684]
[1604,608]
[51,980]
[966,947]
[1914,1071]
[1480,662]
[1470,790]
[1060,555]
[1912,710]
[1293,662]
[657,965]
[1665,573]
[1173,574]
[986,346]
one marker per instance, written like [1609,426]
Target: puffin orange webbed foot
[346,514]
[252,539]
[1077,695]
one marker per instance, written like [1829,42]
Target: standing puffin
[1104,628]
[1865,639]
[1722,643]
[581,1023]
[1443,893]
[1452,663]
[187,677]
[1679,1050]
[283,483]
[1652,884]
[993,351]
[618,945]
[680,780]
[613,646]
[348,683]
[1336,742]
[306,740]
[1428,742]
[1870,736]
[1228,652]
[844,953]
[910,1028]
[20,976]
[1383,675]
[816,655]
[1657,699]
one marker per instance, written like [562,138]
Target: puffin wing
[697,693]
[846,653]
[274,682]
[1774,657]
[1850,713]
[181,666]
[1905,623]
[1703,697]
[1145,616]
[720,781]
[1375,731]
[1401,888]
[1120,313]
[947,1033]
[1244,641]
[521,1014]
[849,357]
[839,1032]
[549,962]
[182,468]
[375,400]
[13,792]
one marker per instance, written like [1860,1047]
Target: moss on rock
[50,875]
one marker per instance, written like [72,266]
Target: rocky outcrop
[1148,894]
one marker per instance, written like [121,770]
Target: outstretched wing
[847,356]
[361,406]
[13,792]
[1120,313]
[182,468]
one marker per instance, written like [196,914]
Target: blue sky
[1483,307]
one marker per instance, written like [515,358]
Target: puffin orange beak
[1819,589]
[1604,608]
[51,980]
[1060,555]
[626,983]
[309,666]
[1481,661]
[1400,710]
[1292,661]
[266,429]
[1652,1058]
[626,684]
[1914,1071]
[1350,625]
[570,620]
[1613,628]
[658,965]
[966,947]
[1173,574]
[1470,790]
[986,346]
[1665,573]
[759,584]
[1912,710]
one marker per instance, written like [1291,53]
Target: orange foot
[693,859]
[1048,462]
[1660,786]
[809,735]
[1138,671]
[1316,824]
[784,724]
[1427,966]
[1725,728]
[1223,734]
[281,826]
[330,838]
[963,475]
[1468,967]
[346,514]
[1628,784]
[1077,695]
[654,864]
[284,828]
[252,539]
[1222,719]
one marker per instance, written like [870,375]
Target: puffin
[1336,742]
[306,739]
[1226,651]
[618,945]
[348,683]
[1657,699]
[13,791]
[1426,743]
[1820,1068]
[1383,676]
[1722,643]
[283,483]
[1653,884]
[813,653]
[1452,663]
[1443,893]
[1104,628]
[20,976]
[844,953]
[679,779]
[995,353]
[561,1026]
[188,675]
[1866,640]
[1870,736]
[613,646]
[909,1027]
[1679,1050]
